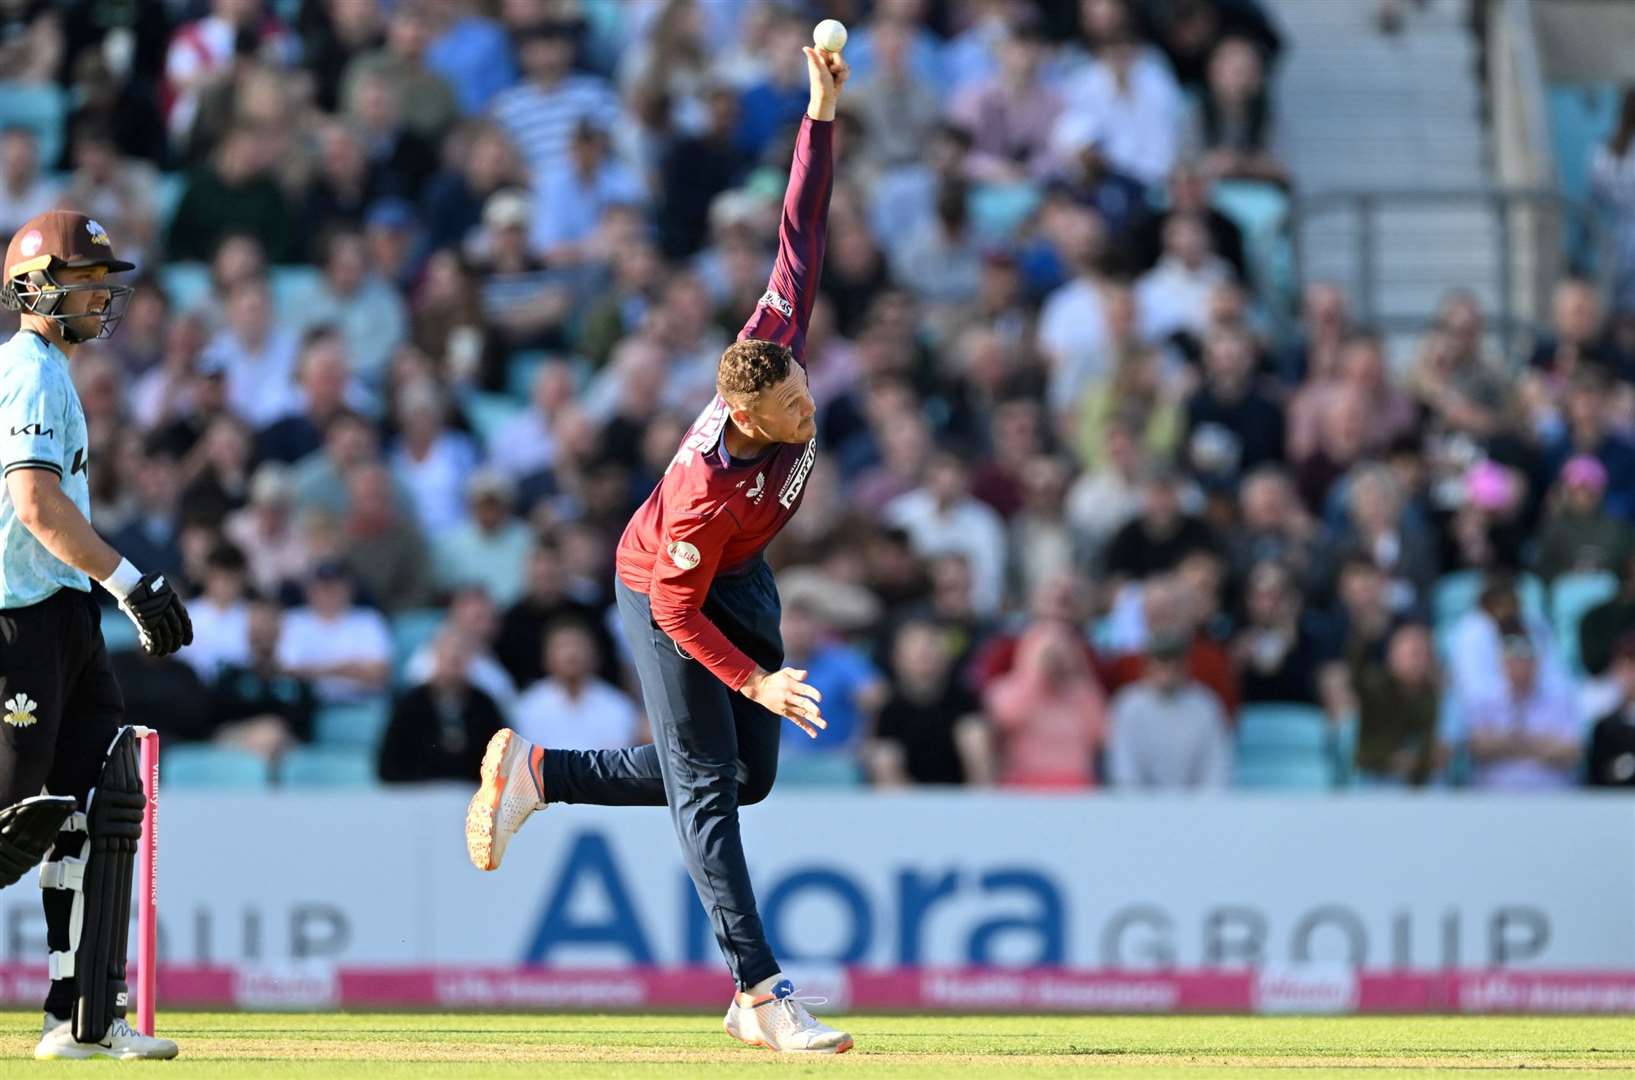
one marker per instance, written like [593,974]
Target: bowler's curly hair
[750,366]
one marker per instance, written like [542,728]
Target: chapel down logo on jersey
[797,476]
[20,711]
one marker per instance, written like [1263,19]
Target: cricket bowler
[70,782]
[700,611]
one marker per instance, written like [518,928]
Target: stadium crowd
[430,289]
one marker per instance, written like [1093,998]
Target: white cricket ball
[829,35]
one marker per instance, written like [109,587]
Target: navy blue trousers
[713,751]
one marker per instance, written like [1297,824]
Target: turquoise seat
[1261,212]
[328,767]
[169,196]
[1457,593]
[410,630]
[42,108]
[489,413]
[359,725]
[290,285]
[520,370]
[186,284]
[1571,598]
[193,765]
[819,770]
[118,632]
[1293,775]
[1284,746]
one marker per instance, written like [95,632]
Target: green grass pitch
[228,1046]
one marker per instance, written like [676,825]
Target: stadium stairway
[1359,110]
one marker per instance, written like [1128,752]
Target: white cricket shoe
[507,795]
[122,1042]
[779,1021]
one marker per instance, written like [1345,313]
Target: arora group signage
[1303,892]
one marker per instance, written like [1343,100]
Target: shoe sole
[841,1049]
[91,1055]
[483,812]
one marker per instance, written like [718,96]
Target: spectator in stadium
[25,191]
[540,113]
[1126,94]
[1606,624]
[1189,30]
[320,478]
[1237,117]
[1073,321]
[1579,536]
[1523,730]
[1016,435]
[1379,526]
[521,305]
[357,301]
[1358,367]
[1364,617]
[775,97]
[344,648]
[322,378]
[256,705]
[439,728]
[1589,431]
[942,258]
[1156,541]
[1283,653]
[1010,113]
[930,729]
[235,193]
[1048,713]
[222,624]
[571,708]
[1477,643]
[1166,731]
[428,103]
[121,193]
[899,108]
[383,551]
[1612,184]
[813,612]
[1312,356]
[216,473]
[694,170]
[1173,297]
[479,161]
[472,614]
[1399,700]
[572,194]
[257,351]
[1272,524]
[163,690]
[942,517]
[1041,541]
[276,551]
[1610,760]
[527,442]
[1232,427]
[470,51]
[1109,493]
[152,532]
[431,459]
[547,600]
[490,547]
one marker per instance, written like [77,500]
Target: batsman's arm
[50,515]
[785,309]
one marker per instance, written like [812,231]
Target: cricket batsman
[701,613]
[70,782]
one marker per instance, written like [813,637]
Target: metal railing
[1531,255]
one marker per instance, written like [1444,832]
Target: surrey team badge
[20,711]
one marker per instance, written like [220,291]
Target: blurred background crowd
[430,289]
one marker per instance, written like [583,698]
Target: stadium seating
[357,725]
[41,108]
[328,767]
[194,765]
[488,413]
[118,632]
[186,284]
[520,370]
[1457,593]
[819,770]
[1571,596]
[410,630]
[1284,746]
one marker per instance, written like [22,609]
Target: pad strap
[67,874]
[62,966]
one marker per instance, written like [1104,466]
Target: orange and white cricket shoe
[779,1021]
[508,793]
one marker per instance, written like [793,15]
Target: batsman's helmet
[62,240]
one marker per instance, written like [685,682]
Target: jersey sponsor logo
[81,462]
[683,554]
[31,244]
[35,430]
[772,300]
[99,235]
[20,711]
[797,476]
